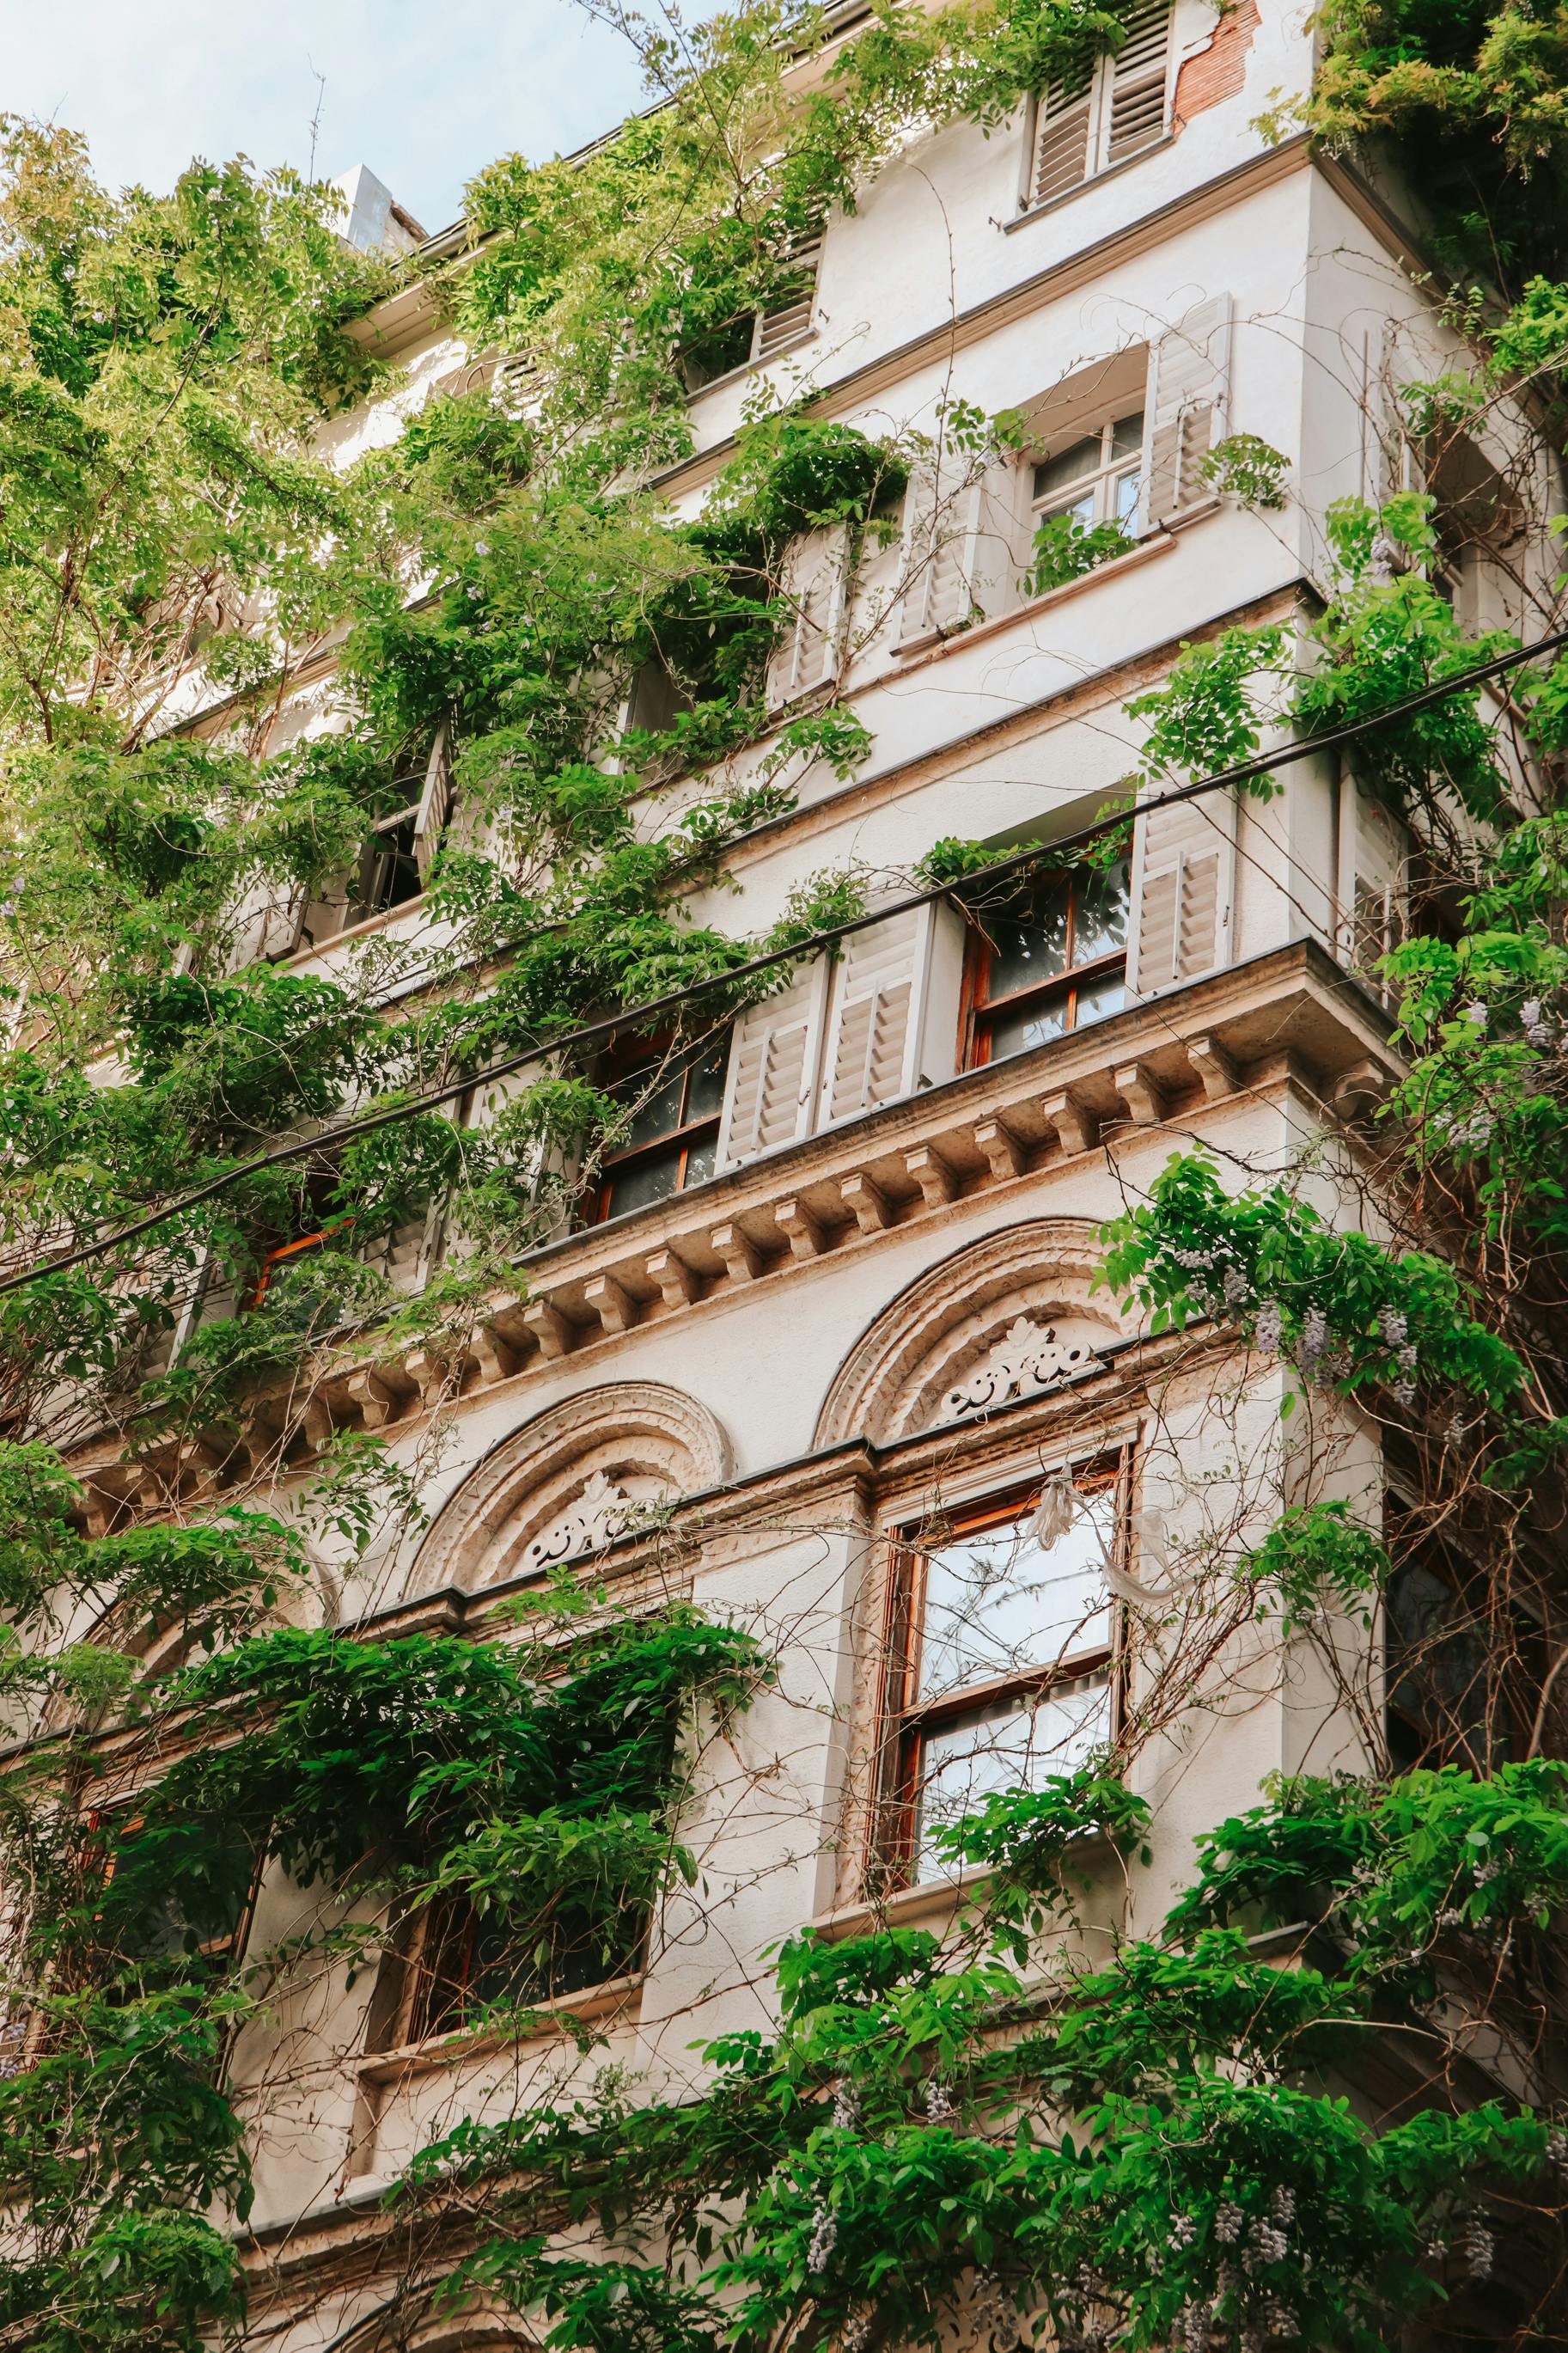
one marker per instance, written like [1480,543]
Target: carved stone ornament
[1026,1361]
[599,1515]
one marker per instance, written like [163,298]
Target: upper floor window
[668,1136]
[1000,1636]
[1098,480]
[1050,959]
[1106,112]
[1461,1670]
[752,338]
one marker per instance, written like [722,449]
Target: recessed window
[668,1136]
[457,1962]
[1001,1634]
[1098,480]
[1048,959]
[389,872]
[752,338]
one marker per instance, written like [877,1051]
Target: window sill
[935,641]
[928,1901]
[363,930]
[1097,180]
[617,1994]
[750,367]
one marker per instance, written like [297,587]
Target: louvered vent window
[874,1015]
[773,1065]
[1050,958]
[753,337]
[1104,115]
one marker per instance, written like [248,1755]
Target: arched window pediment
[579,1474]
[1011,1316]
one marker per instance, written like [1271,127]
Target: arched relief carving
[1010,1317]
[568,1481]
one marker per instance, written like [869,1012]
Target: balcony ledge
[1291,1016]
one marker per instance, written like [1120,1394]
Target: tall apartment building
[829,1321]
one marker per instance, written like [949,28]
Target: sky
[425,92]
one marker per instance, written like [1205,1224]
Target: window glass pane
[705,1085]
[1101,914]
[999,1603]
[699,1159]
[1028,940]
[1126,433]
[1060,473]
[657,1107]
[1008,1747]
[1124,495]
[652,1179]
[1101,998]
[1015,1033]
[1439,1675]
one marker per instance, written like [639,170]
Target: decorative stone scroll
[1026,1361]
[601,1512]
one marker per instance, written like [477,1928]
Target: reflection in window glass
[999,1602]
[1009,1747]
[1053,958]
[669,1139]
[1006,1672]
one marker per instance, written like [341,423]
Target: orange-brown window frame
[905,1721]
[685,1136]
[979,1010]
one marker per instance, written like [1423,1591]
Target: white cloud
[425,92]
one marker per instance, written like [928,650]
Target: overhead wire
[653,1010]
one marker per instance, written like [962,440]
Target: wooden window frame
[979,1010]
[1102,480]
[904,1721]
[405,2015]
[685,1136]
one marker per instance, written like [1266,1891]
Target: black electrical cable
[643,1016]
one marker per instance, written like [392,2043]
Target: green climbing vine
[1148,2141]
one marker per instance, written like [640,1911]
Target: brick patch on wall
[1220,70]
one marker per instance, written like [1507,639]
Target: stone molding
[903,1372]
[555,1470]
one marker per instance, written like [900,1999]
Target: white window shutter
[1060,157]
[1184,880]
[1185,408]
[941,529]
[1387,456]
[434,802]
[267,924]
[812,592]
[1136,79]
[787,321]
[878,575]
[769,1090]
[1374,881]
[402,1253]
[874,1032]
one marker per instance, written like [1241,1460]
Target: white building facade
[832,1324]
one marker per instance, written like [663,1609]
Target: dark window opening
[1460,1674]
[717,352]
[389,872]
[462,1962]
[283,1260]
[667,1139]
[1050,958]
[1000,1639]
